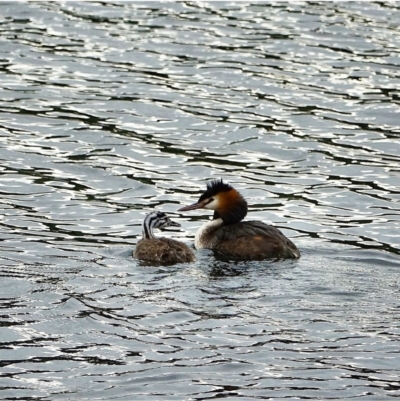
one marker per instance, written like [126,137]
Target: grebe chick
[161,250]
[229,236]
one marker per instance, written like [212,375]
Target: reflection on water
[111,110]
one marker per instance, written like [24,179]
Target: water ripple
[111,110]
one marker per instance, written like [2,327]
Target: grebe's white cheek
[212,205]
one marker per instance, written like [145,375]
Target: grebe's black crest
[214,187]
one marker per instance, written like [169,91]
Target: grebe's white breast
[204,235]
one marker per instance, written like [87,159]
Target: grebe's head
[221,197]
[159,220]
[156,220]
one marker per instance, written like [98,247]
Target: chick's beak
[174,224]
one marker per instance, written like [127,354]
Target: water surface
[110,110]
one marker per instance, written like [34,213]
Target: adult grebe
[229,236]
[161,250]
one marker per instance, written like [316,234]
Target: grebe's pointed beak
[197,205]
[174,224]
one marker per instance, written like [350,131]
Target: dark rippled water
[110,110]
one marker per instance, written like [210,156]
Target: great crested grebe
[229,236]
[161,250]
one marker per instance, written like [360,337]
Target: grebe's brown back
[161,250]
[232,238]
